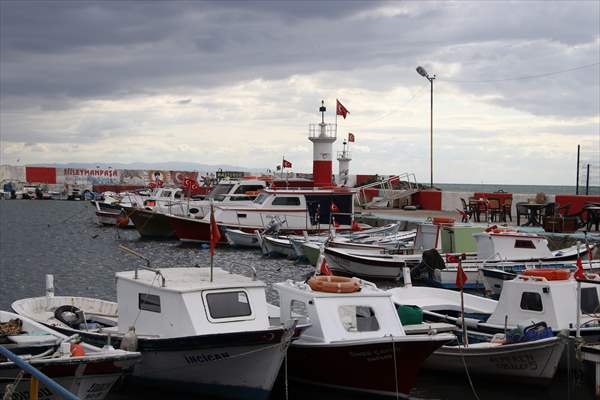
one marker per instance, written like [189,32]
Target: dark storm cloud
[54,53]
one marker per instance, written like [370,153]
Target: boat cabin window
[228,304]
[219,192]
[524,244]
[149,302]
[589,301]
[243,189]
[261,198]
[531,301]
[358,318]
[298,309]
[286,201]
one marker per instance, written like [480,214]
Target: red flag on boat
[351,137]
[461,277]
[340,109]
[334,208]
[324,270]
[287,164]
[355,226]
[579,274]
[215,234]
[335,223]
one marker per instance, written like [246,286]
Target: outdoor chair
[467,211]
[494,209]
[507,210]
[522,212]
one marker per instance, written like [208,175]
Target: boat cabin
[335,317]
[188,303]
[244,190]
[510,245]
[529,298]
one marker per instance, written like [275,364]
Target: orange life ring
[334,284]
[442,220]
[549,274]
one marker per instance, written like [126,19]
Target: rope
[286,376]
[462,356]
[10,388]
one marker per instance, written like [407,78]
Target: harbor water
[63,239]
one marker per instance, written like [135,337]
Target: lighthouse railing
[315,131]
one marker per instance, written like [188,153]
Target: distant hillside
[167,166]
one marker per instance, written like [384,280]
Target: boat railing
[147,266]
[250,267]
[387,185]
[37,375]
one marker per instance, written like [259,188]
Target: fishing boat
[111,215]
[197,329]
[238,238]
[539,295]
[356,339]
[277,245]
[530,361]
[150,224]
[306,209]
[87,371]
[369,264]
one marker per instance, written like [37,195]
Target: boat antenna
[135,253]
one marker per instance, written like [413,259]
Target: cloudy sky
[517,88]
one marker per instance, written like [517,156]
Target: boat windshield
[261,198]
[219,192]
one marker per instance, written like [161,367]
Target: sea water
[63,239]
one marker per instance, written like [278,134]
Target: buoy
[77,350]
[549,274]
[334,284]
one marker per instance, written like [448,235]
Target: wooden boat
[311,250]
[194,333]
[356,341]
[88,376]
[150,224]
[238,238]
[368,264]
[274,245]
[111,215]
[533,362]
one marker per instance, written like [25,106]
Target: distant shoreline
[510,188]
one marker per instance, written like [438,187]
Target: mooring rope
[395,366]
[462,356]
[10,388]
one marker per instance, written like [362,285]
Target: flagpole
[211,238]
[462,308]
[578,302]
[336,113]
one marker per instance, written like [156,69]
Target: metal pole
[52,385]
[431,132]
[587,180]
[577,180]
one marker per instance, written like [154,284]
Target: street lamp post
[424,73]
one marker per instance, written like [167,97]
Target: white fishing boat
[238,238]
[197,330]
[275,245]
[88,372]
[368,264]
[356,341]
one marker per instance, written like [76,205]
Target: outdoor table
[534,211]
[478,206]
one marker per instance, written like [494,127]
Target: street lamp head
[422,72]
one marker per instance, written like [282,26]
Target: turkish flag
[355,226]
[287,164]
[579,274]
[334,208]
[215,234]
[340,109]
[461,277]
[351,137]
[191,185]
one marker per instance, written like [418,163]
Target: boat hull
[364,266]
[361,367]
[278,247]
[530,361]
[86,379]
[235,237]
[113,218]
[192,230]
[151,224]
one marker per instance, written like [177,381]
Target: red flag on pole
[351,137]
[340,109]
[334,208]
[287,164]
[355,226]
[191,185]
[461,277]
[579,274]
[215,235]
[325,268]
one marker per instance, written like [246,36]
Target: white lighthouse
[344,157]
[322,135]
